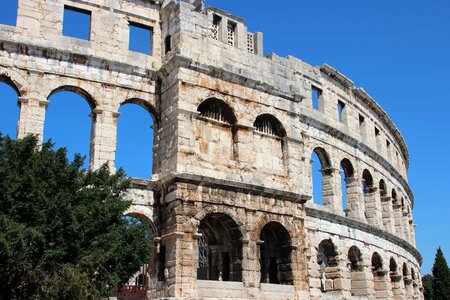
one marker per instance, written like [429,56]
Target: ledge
[320,214]
[234,186]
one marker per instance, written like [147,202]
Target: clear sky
[398,51]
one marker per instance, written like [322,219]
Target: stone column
[329,195]
[354,198]
[103,138]
[406,227]
[31,119]
[373,207]
[381,284]
[361,285]
[397,216]
[398,291]
[251,270]
[387,214]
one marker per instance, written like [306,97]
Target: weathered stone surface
[231,176]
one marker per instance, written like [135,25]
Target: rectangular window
[77,23]
[341,112]
[250,43]
[231,34]
[388,148]
[215,27]
[140,38]
[9,12]
[316,95]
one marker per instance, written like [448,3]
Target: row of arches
[359,196]
[70,122]
[372,277]
[220,251]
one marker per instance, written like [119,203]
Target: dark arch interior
[347,167]
[382,187]
[377,263]
[267,123]
[217,109]
[367,179]
[219,249]
[275,257]
[392,265]
[327,255]
[355,259]
[323,157]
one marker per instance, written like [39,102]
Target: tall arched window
[379,280]
[327,259]
[216,132]
[347,173]
[68,121]
[135,139]
[268,143]
[275,253]
[321,177]
[9,112]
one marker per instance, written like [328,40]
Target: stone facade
[230,198]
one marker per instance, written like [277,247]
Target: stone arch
[11,107]
[15,80]
[358,286]
[275,254]
[370,204]
[392,266]
[327,254]
[212,209]
[217,120]
[380,284]
[135,137]
[77,90]
[322,185]
[347,182]
[269,124]
[382,187]
[145,105]
[219,248]
[147,219]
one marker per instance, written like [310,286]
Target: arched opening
[327,259]
[347,178]
[321,177]
[69,121]
[397,213]
[357,276]
[379,281]
[216,132]
[407,280]
[396,277]
[135,139]
[167,44]
[139,284]
[275,251]
[219,251]
[9,114]
[268,142]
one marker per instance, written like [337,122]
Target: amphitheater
[230,199]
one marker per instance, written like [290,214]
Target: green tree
[427,282]
[441,277]
[62,230]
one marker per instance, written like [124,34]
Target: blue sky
[397,50]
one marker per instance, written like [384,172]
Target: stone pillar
[381,285]
[398,291]
[32,116]
[361,285]
[329,195]
[406,227]
[387,214]
[251,269]
[397,216]
[372,207]
[103,138]
[354,201]
[407,282]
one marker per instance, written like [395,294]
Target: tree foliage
[62,230]
[441,277]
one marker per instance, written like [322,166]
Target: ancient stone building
[230,198]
